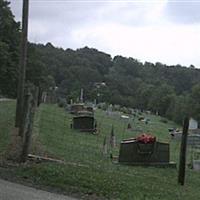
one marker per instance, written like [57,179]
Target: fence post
[29,125]
[24,122]
[182,162]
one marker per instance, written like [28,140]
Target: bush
[102,106]
[164,120]
[116,108]
[62,102]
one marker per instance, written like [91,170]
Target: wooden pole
[25,114]
[22,65]
[31,103]
[182,162]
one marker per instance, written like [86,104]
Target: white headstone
[193,124]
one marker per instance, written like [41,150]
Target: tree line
[172,91]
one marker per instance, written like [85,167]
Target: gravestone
[75,108]
[84,123]
[133,152]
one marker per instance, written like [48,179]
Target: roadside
[10,191]
[8,172]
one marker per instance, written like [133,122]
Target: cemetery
[140,115]
[90,159]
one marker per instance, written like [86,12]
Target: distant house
[194,126]
[99,84]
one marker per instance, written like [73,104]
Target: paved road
[5,99]
[13,191]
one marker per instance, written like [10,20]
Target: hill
[170,91]
[157,87]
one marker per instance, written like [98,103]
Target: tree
[161,98]
[179,108]
[195,101]
[9,46]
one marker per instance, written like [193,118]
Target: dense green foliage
[170,91]
[167,90]
[9,44]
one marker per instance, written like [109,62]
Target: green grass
[58,139]
[7,116]
[88,171]
[116,182]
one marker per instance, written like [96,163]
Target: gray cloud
[183,12]
[142,29]
[57,11]
[53,21]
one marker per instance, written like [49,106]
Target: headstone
[196,165]
[129,126]
[193,124]
[112,138]
[84,123]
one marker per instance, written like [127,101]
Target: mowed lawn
[88,171]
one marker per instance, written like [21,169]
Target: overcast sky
[156,31]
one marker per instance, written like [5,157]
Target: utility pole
[22,65]
[182,162]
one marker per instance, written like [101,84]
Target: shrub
[164,120]
[62,102]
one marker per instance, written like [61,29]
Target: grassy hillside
[89,172]
[53,131]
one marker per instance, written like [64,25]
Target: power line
[114,1]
